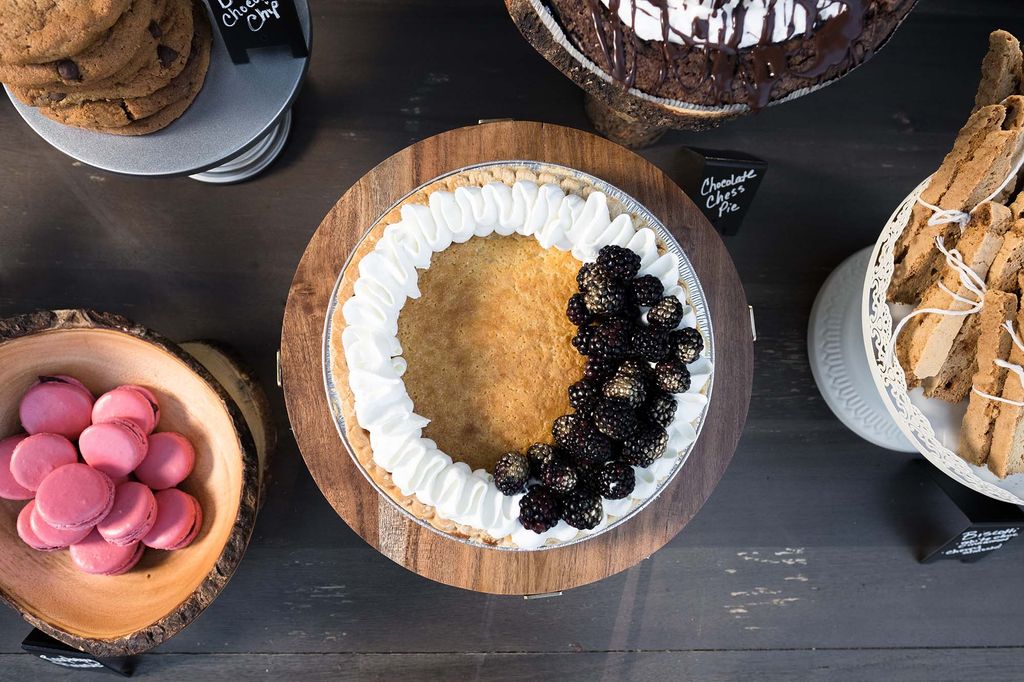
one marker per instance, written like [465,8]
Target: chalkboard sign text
[721,183]
[249,24]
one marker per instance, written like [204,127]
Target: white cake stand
[835,347]
[234,129]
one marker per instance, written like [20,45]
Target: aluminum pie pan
[642,217]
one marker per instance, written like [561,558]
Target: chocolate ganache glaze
[728,51]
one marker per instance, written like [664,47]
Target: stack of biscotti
[948,355]
[125,67]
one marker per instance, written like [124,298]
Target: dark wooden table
[802,564]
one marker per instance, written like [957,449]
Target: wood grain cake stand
[371,515]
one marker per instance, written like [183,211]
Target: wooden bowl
[128,614]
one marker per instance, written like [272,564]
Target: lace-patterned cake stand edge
[931,426]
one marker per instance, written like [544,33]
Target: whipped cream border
[458,494]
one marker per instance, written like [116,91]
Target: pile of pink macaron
[100,481]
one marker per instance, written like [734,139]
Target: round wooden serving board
[205,394]
[375,518]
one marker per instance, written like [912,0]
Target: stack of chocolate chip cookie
[125,67]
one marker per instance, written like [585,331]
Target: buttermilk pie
[516,359]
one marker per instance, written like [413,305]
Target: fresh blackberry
[611,339]
[660,408]
[649,344]
[582,509]
[647,444]
[614,418]
[592,447]
[672,376]
[576,310]
[539,509]
[581,342]
[604,295]
[630,309]
[666,314]
[511,473]
[628,389]
[619,261]
[613,480]
[635,368]
[586,275]
[647,290]
[563,428]
[540,456]
[559,476]
[583,396]
[686,344]
[599,369]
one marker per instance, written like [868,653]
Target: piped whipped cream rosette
[389,277]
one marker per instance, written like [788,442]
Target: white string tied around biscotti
[969,280]
[1016,369]
[946,216]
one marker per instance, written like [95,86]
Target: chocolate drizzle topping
[769,62]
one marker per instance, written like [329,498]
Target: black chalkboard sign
[721,183]
[48,649]
[248,24]
[991,523]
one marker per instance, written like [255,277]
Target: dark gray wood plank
[911,665]
[215,262]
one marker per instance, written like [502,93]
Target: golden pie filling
[489,347]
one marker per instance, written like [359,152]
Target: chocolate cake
[727,52]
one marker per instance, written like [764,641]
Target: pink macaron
[54,538]
[26,533]
[75,496]
[131,517]
[169,461]
[10,489]
[178,520]
[37,456]
[134,403]
[114,447]
[56,404]
[99,557]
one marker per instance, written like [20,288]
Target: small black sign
[722,184]
[47,648]
[248,24]
[991,523]
[974,543]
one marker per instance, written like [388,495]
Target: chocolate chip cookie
[105,57]
[161,57]
[198,65]
[38,31]
[162,106]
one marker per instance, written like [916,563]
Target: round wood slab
[134,612]
[373,517]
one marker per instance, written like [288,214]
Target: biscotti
[1000,70]
[986,151]
[928,338]
[993,343]
[1006,455]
